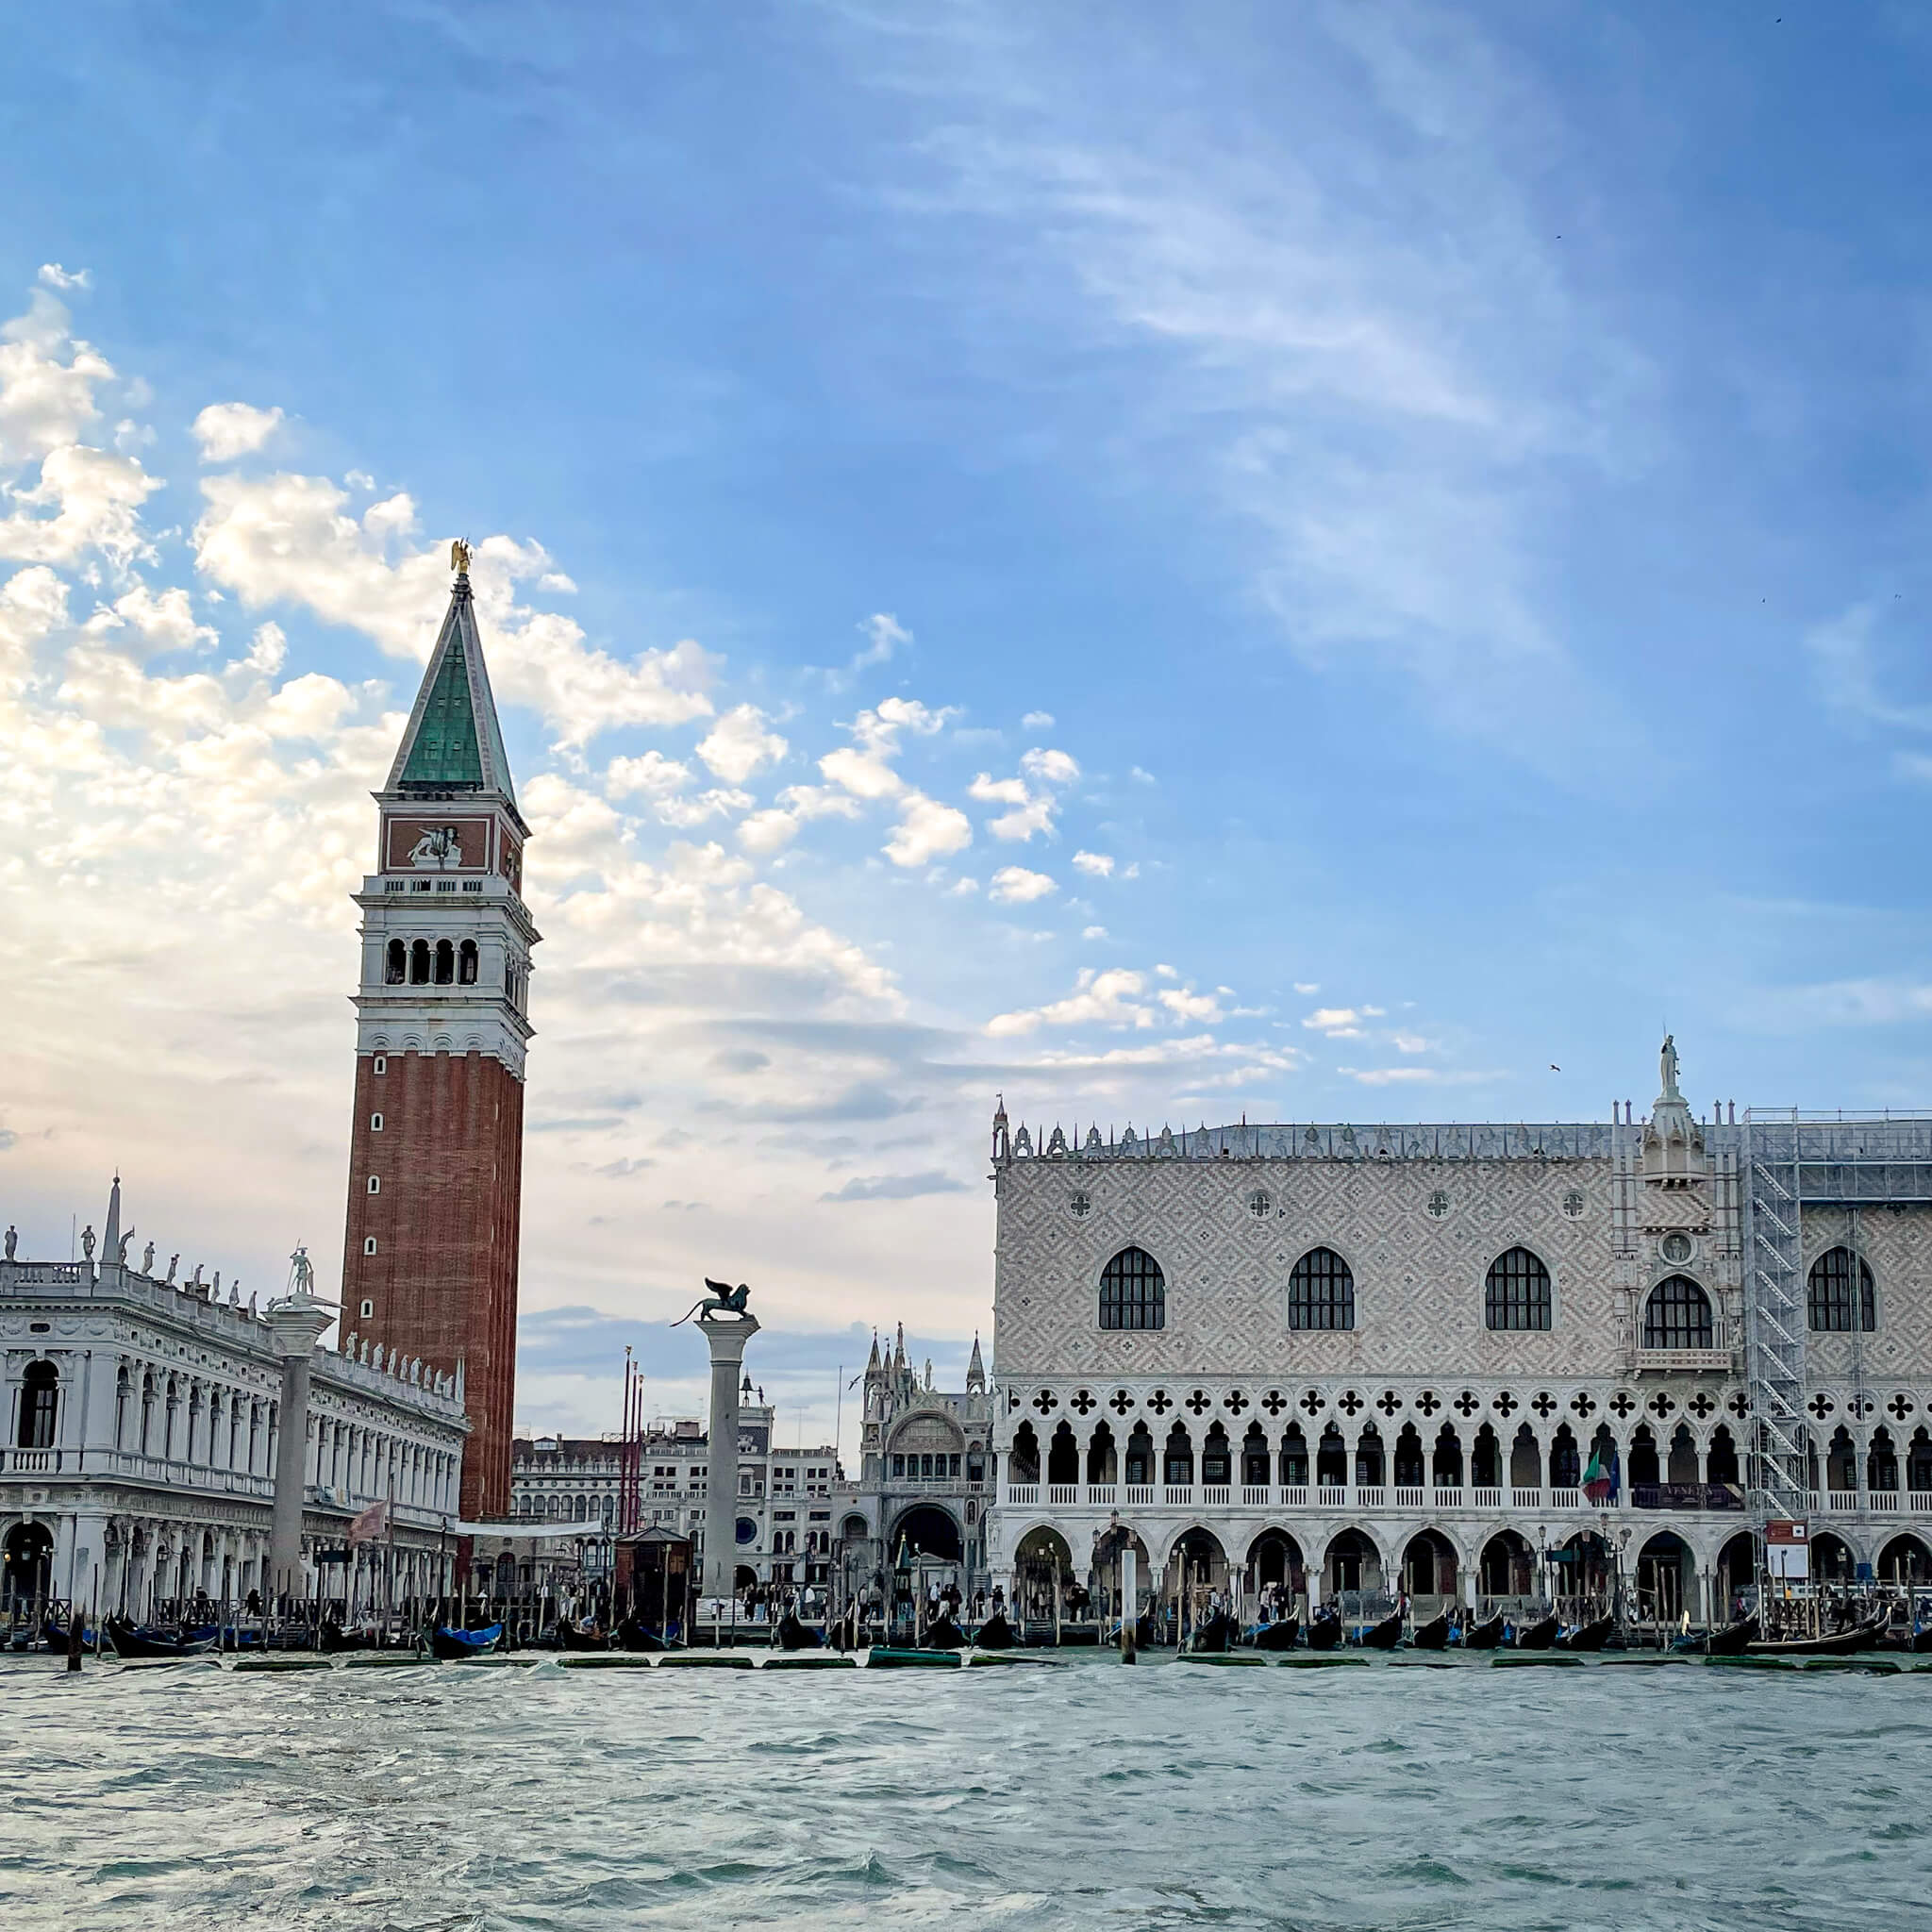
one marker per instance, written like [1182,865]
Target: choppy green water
[1090,1795]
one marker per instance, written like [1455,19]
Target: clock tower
[429,1264]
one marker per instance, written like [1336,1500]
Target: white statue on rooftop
[1667,1067]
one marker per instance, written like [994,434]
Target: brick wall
[443,1279]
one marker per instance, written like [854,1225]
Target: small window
[395,964]
[367,1308]
[1259,1206]
[466,963]
[1133,1293]
[445,963]
[381,1063]
[419,963]
[1838,1294]
[1574,1205]
[1321,1291]
[1677,1315]
[376,1123]
[369,1244]
[375,1184]
[1438,1204]
[1517,1293]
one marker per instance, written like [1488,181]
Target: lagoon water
[1081,1796]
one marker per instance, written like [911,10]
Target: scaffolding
[1793,1160]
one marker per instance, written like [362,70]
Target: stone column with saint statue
[297,1321]
[727,1325]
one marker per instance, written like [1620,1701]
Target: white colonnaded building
[145,1423]
[1489,1364]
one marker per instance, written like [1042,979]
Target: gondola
[55,1636]
[1734,1638]
[1434,1635]
[943,1634]
[330,1636]
[1541,1635]
[1324,1630]
[1384,1635]
[995,1633]
[793,1635]
[1214,1637]
[1841,1644]
[570,1638]
[632,1635]
[1590,1636]
[452,1647]
[1486,1634]
[1279,1635]
[133,1641]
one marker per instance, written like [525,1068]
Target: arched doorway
[1831,1559]
[1353,1563]
[1580,1573]
[1043,1572]
[1196,1570]
[1666,1579]
[1429,1572]
[1506,1566]
[28,1553]
[1905,1560]
[926,1531]
[1111,1547]
[1276,1572]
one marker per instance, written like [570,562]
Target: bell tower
[429,1264]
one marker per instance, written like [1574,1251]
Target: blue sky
[1307,561]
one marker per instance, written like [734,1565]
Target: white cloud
[1341,1023]
[227,430]
[96,499]
[286,538]
[1306,988]
[1037,721]
[1097,865]
[1139,776]
[883,634]
[1013,885]
[1106,999]
[1033,797]
[165,622]
[686,813]
[653,775]
[1409,1043]
[57,277]
[739,743]
[556,582]
[1185,1003]
[927,830]
[47,382]
[1093,932]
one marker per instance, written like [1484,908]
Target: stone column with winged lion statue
[728,1324]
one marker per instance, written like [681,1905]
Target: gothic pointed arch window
[1677,1315]
[1517,1292]
[1838,1294]
[1321,1291]
[1133,1292]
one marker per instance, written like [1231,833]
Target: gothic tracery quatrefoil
[1900,1409]
[1428,1402]
[1505,1405]
[1274,1402]
[1388,1402]
[1581,1405]
[1119,1402]
[1160,1402]
[1198,1403]
[1046,1401]
[1740,1404]
[1700,1405]
[1351,1403]
[1466,1404]
[1544,1403]
[1820,1405]
[1312,1403]
[1621,1405]
[1660,1404]
[1236,1402]
[1860,1406]
[1084,1402]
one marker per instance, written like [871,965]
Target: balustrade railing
[1482,1498]
[1407,1498]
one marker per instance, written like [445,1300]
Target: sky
[1349,562]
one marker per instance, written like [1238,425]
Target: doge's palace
[1486,1363]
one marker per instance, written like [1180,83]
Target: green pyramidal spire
[454,741]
